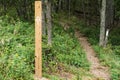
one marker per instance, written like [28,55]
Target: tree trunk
[103,23]
[83,9]
[59,5]
[110,13]
[43,19]
[49,24]
[109,18]
[69,8]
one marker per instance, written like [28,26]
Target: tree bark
[109,18]
[83,9]
[43,19]
[59,5]
[103,23]
[49,24]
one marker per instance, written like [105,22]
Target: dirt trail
[96,69]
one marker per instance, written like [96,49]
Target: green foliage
[92,32]
[117,50]
[16,50]
[65,49]
[117,7]
[108,56]
[68,49]
[114,39]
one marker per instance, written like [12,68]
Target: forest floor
[99,71]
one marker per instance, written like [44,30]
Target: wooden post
[38,39]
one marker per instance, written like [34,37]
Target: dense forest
[80,39]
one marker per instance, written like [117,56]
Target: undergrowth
[109,56]
[65,50]
[17,51]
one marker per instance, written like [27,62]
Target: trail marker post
[38,39]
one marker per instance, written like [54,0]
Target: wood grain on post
[38,39]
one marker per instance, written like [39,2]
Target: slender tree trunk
[43,19]
[109,18]
[43,24]
[49,24]
[83,9]
[110,13]
[87,16]
[59,5]
[103,23]
[69,9]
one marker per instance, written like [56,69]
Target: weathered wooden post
[38,40]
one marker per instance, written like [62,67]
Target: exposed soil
[96,68]
[66,76]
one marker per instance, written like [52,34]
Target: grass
[65,53]
[109,58]
[17,52]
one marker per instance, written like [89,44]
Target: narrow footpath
[99,71]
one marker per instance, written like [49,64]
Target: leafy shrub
[65,49]
[16,50]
